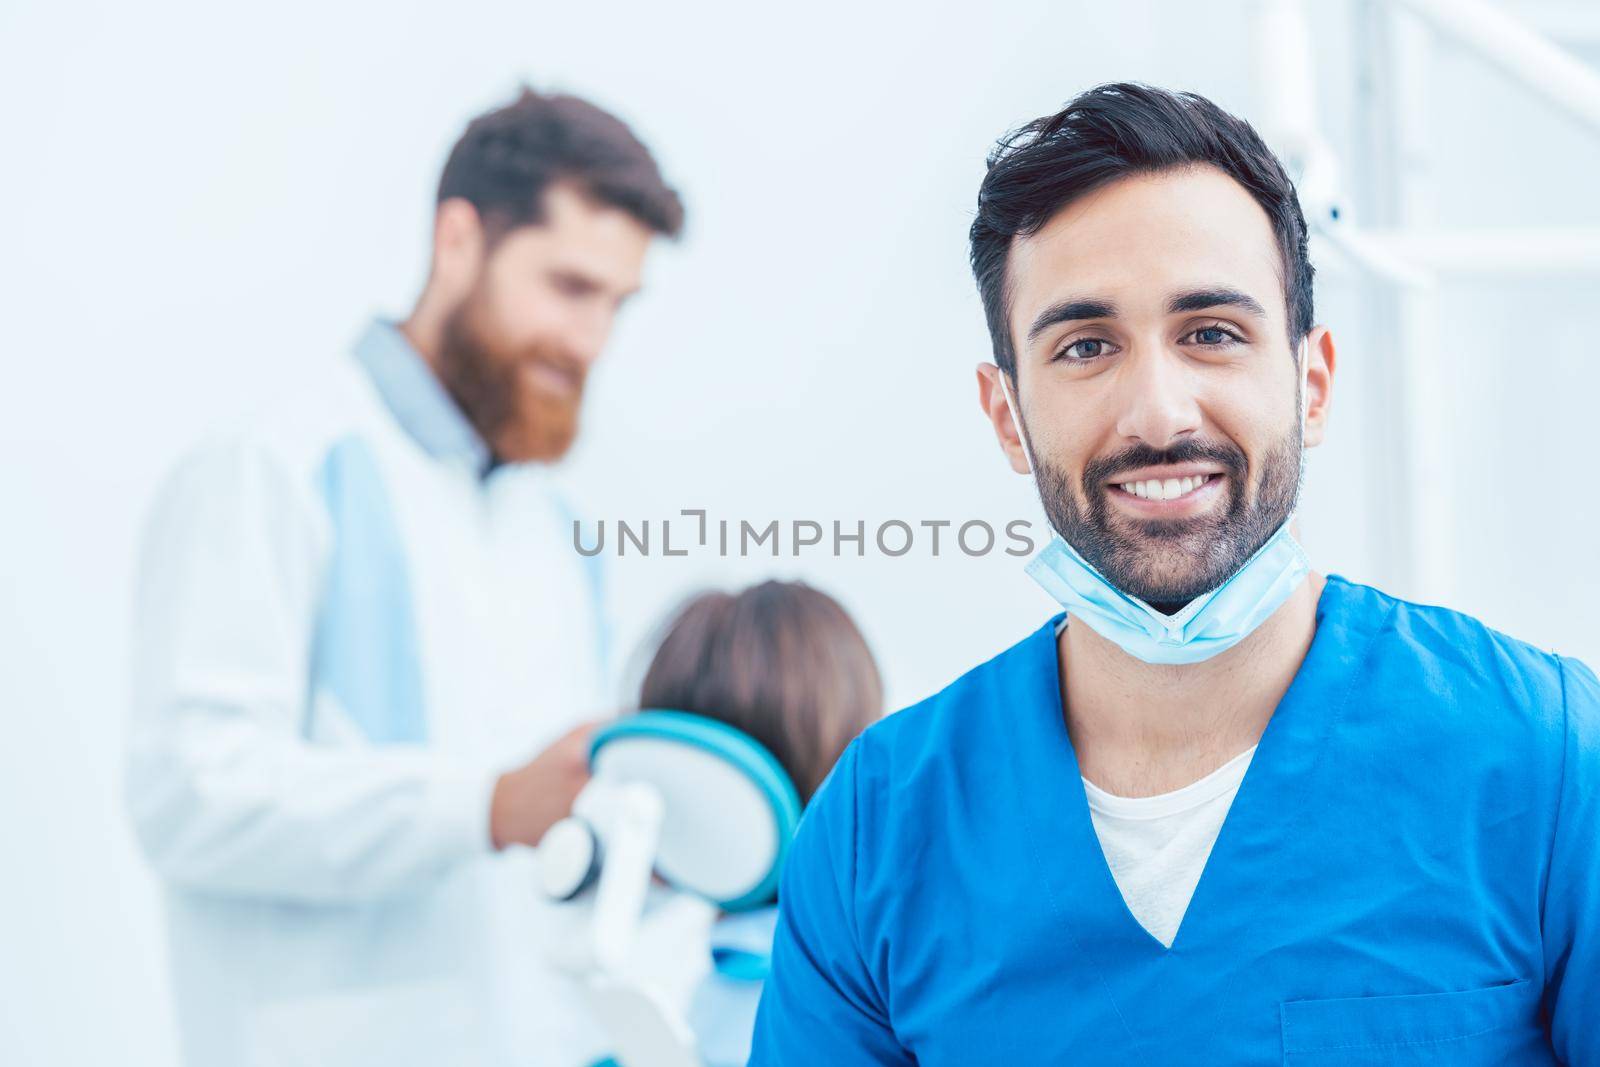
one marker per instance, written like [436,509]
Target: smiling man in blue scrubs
[1223,809]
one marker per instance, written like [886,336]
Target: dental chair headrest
[730,809]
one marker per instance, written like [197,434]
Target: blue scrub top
[1410,873]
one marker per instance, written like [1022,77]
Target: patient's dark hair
[1115,131]
[780,661]
[508,157]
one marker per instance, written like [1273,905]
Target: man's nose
[1156,399]
[587,335]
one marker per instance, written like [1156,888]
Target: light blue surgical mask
[1209,624]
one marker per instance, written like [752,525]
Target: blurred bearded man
[366,650]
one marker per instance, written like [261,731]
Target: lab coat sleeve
[226,794]
[821,1003]
[1572,894]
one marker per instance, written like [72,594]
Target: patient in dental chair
[784,663]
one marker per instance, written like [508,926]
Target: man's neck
[1140,728]
[424,335]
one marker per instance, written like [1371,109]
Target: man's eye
[1084,349]
[1214,336]
[568,285]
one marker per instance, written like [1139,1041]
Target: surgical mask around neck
[1211,623]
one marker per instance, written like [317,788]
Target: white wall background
[203,202]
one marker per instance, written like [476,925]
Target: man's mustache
[550,358]
[1098,472]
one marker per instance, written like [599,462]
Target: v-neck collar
[1263,816]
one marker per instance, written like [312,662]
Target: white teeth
[1165,489]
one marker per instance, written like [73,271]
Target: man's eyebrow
[1200,299]
[1070,311]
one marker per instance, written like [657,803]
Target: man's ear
[992,398]
[1320,357]
[458,246]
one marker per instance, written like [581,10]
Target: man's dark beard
[1121,548]
[516,422]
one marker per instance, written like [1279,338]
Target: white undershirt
[1157,846]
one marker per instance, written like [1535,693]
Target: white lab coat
[333,896]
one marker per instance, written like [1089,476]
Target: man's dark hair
[1115,131]
[508,157]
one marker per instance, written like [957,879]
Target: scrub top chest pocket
[1495,1025]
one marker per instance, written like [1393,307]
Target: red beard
[520,417]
